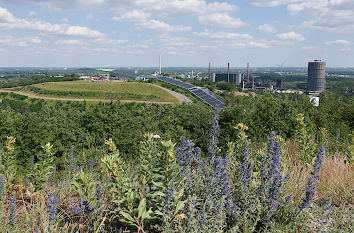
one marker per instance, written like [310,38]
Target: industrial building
[316,79]
[231,78]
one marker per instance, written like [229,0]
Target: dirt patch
[238,93]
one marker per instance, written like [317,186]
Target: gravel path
[182,98]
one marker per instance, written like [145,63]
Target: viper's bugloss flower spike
[312,181]
[12,210]
[52,203]
[245,168]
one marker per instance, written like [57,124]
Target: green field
[103,91]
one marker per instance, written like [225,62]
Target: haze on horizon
[188,33]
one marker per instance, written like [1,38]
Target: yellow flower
[110,144]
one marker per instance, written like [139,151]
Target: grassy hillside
[111,91]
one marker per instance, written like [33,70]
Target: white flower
[156,136]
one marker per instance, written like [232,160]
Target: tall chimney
[228,72]
[160,65]
[209,71]
[248,73]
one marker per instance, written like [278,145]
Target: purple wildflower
[312,181]
[245,168]
[98,196]
[72,164]
[271,177]
[12,210]
[90,165]
[168,199]
[52,203]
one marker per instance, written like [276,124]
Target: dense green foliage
[37,79]
[35,122]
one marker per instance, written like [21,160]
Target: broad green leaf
[180,206]
[142,207]
[127,216]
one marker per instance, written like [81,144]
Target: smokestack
[209,72]
[248,73]
[228,72]
[160,65]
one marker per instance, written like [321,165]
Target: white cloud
[267,28]
[338,42]
[90,16]
[153,24]
[32,13]
[271,3]
[207,11]
[8,21]
[346,49]
[221,20]
[133,16]
[64,20]
[330,15]
[19,42]
[290,36]
[224,40]
[311,48]
[224,35]
[177,8]
[208,47]
[263,45]
[109,41]
[169,8]
[69,42]
[142,22]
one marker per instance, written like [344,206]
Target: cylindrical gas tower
[238,78]
[316,77]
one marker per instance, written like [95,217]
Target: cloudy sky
[103,33]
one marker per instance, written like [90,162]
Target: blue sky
[103,33]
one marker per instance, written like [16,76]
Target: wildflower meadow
[176,187]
